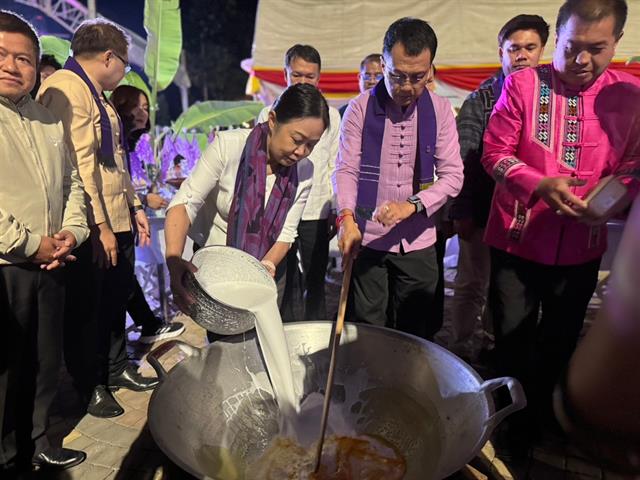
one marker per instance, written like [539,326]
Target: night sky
[130,14]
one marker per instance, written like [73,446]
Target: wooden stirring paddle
[342,307]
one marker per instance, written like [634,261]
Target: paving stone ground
[122,448]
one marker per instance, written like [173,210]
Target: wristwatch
[415,201]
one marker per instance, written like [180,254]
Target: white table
[150,267]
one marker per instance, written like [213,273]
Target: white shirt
[208,192]
[321,199]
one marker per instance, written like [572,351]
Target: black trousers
[313,245]
[535,348]
[438,303]
[95,314]
[139,309]
[396,290]
[31,313]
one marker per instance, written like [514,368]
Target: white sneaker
[162,332]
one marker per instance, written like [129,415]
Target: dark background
[217,36]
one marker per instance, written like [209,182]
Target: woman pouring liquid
[249,188]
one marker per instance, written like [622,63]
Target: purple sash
[372,136]
[105,153]
[252,227]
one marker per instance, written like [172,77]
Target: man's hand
[104,246]
[47,250]
[178,267]
[349,236]
[141,223]
[155,201]
[69,243]
[556,192]
[465,228]
[392,213]
[63,253]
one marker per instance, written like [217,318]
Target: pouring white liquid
[299,421]
[363,408]
[261,300]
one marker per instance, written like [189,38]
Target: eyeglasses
[127,67]
[402,78]
[372,76]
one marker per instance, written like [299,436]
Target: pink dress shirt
[397,163]
[540,128]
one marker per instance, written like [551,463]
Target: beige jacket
[110,193]
[40,189]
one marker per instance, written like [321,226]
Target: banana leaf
[633,60]
[203,141]
[58,47]
[164,41]
[207,115]
[135,80]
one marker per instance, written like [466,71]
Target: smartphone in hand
[607,198]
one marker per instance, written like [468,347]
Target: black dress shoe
[132,380]
[58,458]
[102,404]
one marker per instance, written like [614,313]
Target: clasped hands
[54,252]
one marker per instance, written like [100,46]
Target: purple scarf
[252,227]
[105,153]
[372,136]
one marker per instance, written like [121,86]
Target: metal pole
[91,7]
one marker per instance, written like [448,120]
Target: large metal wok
[214,413]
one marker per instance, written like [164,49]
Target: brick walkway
[122,448]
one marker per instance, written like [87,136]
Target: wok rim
[162,445]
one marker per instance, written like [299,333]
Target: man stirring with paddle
[392,139]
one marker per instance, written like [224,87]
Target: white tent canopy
[345,31]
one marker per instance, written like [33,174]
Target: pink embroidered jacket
[540,128]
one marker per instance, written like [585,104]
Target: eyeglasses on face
[127,67]
[369,77]
[402,78]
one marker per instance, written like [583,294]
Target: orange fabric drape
[330,82]
[467,78]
